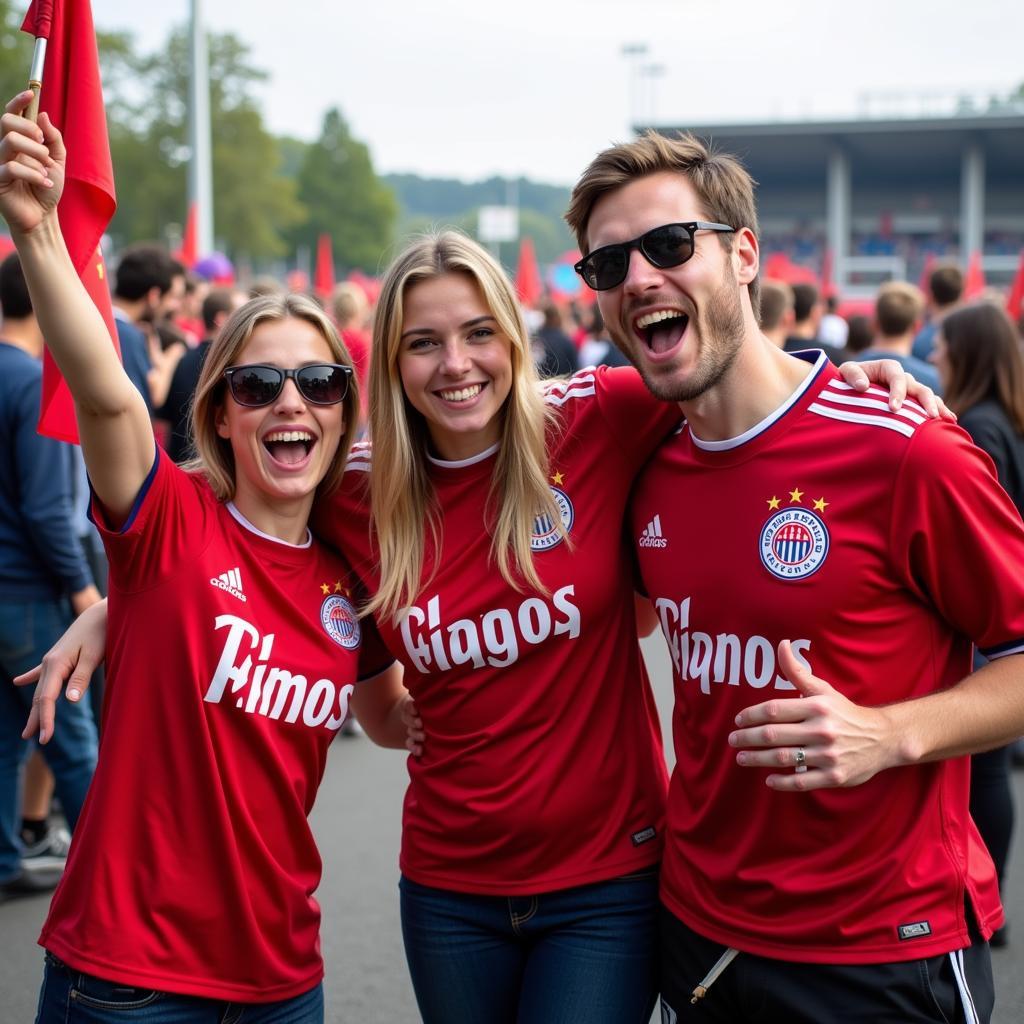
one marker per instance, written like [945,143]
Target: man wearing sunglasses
[801,540]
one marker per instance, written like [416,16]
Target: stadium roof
[924,149]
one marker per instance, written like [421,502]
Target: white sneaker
[49,853]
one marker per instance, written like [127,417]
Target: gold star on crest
[557,478]
[325,589]
[796,494]
[773,503]
[337,587]
[820,504]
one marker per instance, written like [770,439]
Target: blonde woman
[233,649]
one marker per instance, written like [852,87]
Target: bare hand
[843,744]
[74,657]
[32,161]
[413,727]
[901,384]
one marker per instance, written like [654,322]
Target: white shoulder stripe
[861,401]
[874,389]
[561,386]
[576,392]
[865,418]
[360,458]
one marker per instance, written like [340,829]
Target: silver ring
[801,758]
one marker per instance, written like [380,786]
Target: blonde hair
[401,495]
[214,457]
[348,305]
[722,184]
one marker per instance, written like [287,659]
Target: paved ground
[357,822]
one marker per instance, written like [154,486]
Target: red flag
[827,288]
[974,283]
[189,251]
[73,98]
[529,286]
[323,276]
[1015,302]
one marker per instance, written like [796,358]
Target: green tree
[432,202]
[345,198]
[15,51]
[254,203]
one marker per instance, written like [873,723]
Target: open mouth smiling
[463,394]
[289,447]
[661,329]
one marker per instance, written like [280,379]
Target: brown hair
[985,361]
[898,307]
[776,298]
[214,457]
[722,184]
[946,283]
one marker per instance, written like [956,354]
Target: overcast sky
[470,88]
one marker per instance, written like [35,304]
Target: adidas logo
[231,581]
[652,537]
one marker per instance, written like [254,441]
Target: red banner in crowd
[73,98]
[188,254]
[323,275]
[1015,301]
[974,281]
[529,286]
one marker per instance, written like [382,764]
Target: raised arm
[113,423]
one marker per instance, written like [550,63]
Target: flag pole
[35,78]
[200,165]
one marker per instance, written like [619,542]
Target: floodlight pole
[633,52]
[650,74]
[200,168]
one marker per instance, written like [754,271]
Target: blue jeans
[27,631]
[586,954]
[71,997]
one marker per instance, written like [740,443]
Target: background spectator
[44,582]
[898,311]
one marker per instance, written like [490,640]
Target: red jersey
[231,658]
[543,767]
[880,544]
[357,343]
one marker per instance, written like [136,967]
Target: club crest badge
[794,543]
[546,534]
[340,621]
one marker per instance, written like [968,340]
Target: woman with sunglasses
[232,652]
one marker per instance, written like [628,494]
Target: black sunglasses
[667,246]
[256,384]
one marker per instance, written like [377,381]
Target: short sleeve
[374,657]
[638,421]
[958,540]
[169,522]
